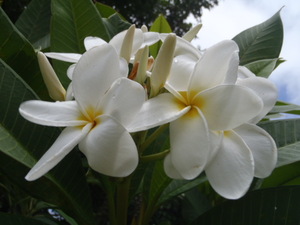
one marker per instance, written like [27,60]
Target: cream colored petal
[157,111]
[228,106]
[262,146]
[66,141]
[190,144]
[265,89]
[123,100]
[231,171]
[218,65]
[66,57]
[93,75]
[90,42]
[109,148]
[58,114]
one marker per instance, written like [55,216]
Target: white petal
[150,38]
[66,57]
[109,148]
[58,114]
[97,69]
[123,101]
[231,171]
[162,109]
[181,72]
[91,42]
[184,47]
[190,144]
[218,65]
[169,168]
[228,106]
[262,146]
[65,142]
[265,89]
[70,71]
[244,72]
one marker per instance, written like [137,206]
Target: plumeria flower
[105,104]
[126,43]
[210,102]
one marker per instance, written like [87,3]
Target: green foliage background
[80,196]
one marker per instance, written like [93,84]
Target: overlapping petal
[265,89]
[232,169]
[109,148]
[91,42]
[93,75]
[190,144]
[66,141]
[169,168]
[262,146]
[162,109]
[67,57]
[123,100]
[219,64]
[59,114]
[228,106]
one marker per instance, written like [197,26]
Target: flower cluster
[211,104]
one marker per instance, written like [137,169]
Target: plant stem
[154,157]
[153,137]
[122,200]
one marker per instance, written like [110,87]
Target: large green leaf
[269,206]
[160,25]
[72,21]
[11,219]
[286,134]
[22,143]
[34,23]
[17,52]
[262,41]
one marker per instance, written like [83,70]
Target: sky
[231,17]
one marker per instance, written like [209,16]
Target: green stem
[122,200]
[153,137]
[154,157]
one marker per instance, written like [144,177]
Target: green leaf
[72,21]
[18,53]
[34,23]
[284,175]
[105,10]
[11,219]
[22,143]
[262,41]
[286,134]
[160,25]
[262,68]
[177,187]
[284,107]
[115,24]
[269,206]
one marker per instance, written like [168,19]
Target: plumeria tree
[103,122]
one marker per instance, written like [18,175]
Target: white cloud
[231,17]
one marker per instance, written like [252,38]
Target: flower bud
[55,89]
[162,64]
[191,34]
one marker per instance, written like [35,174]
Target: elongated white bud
[162,64]
[55,89]
[191,34]
[127,43]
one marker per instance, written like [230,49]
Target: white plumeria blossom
[105,103]
[209,119]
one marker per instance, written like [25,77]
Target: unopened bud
[55,89]
[191,34]
[127,43]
